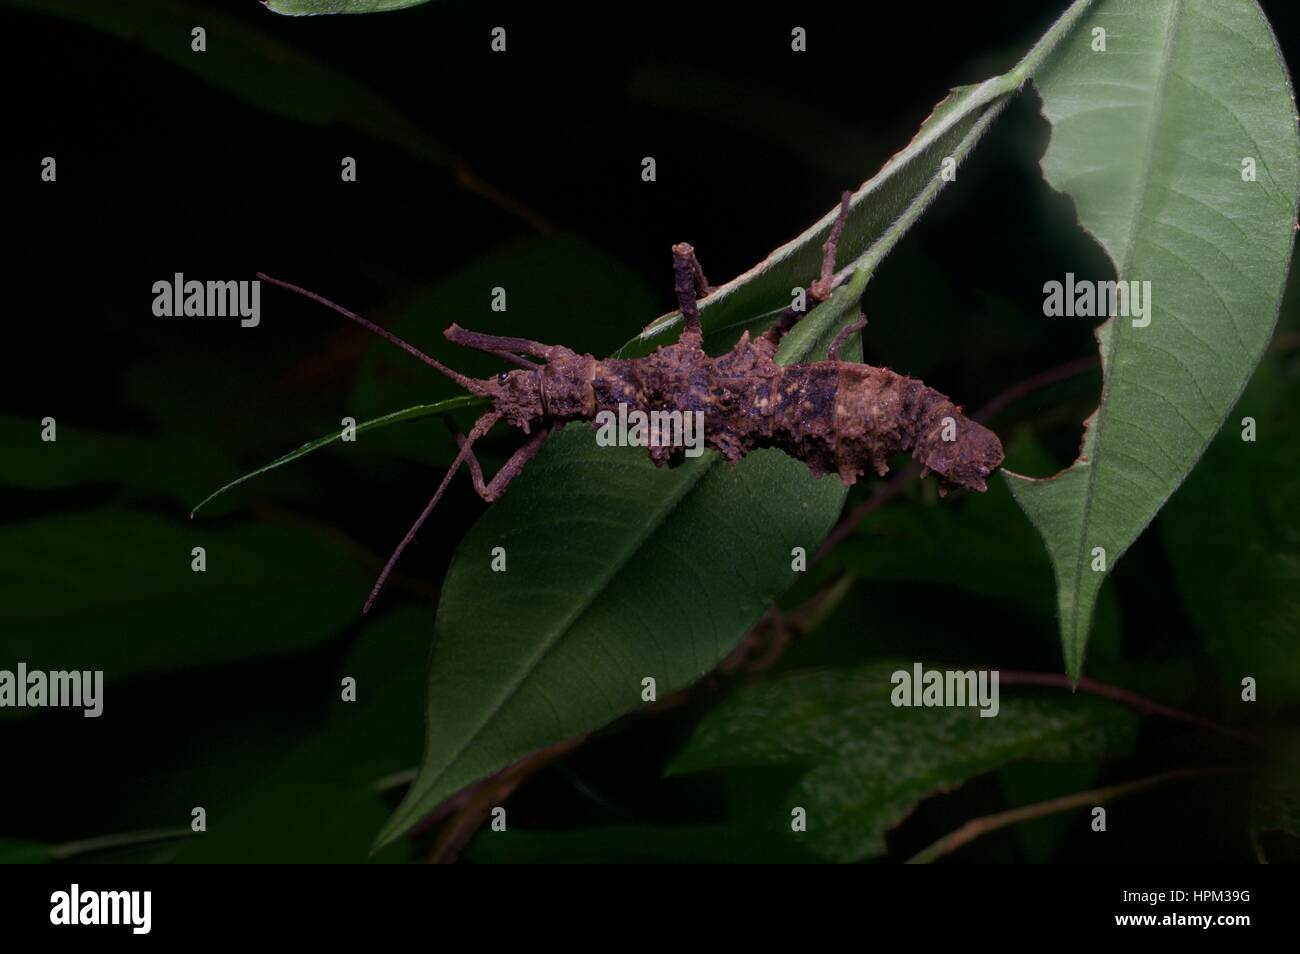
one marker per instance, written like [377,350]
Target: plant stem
[1039,52]
[1125,697]
[124,839]
[978,827]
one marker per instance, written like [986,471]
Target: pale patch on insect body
[633,427]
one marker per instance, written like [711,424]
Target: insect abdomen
[835,416]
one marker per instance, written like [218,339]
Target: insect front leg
[494,488]
[825,284]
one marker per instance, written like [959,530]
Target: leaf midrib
[566,624]
[1124,267]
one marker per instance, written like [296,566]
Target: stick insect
[836,416]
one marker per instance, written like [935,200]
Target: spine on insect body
[838,417]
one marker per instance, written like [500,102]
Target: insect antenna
[481,427]
[469,384]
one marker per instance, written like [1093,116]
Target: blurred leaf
[1233,536]
[408,414]
[313,7]
[1276,797]
[320,803]
[251,64]
[17,852]
[231,408]
[171,468]
[1148,139]
[113,590]
[866,763]
[981,546]
[832,144]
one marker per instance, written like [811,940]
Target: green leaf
[599,543]
[864,763]
[147,466]
[320,803]
[1148,139]
[407,414]
[1233,535]
[616,570]
[300,8]
[94,590]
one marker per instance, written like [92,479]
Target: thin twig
[977,827]
[1126,697]
[1062,372]
[881,494]
[126,839]
[490,793]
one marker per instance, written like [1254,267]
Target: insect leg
[496,343]
[821,287]
[702,286]
[825,284]
[771,338]
[481,427]
[511,469]
[687,279]
[833,352]
[510,358]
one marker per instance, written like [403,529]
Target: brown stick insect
[836,416]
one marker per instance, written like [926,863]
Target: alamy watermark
[179,298]
[130,908]
[37,688]
[637,428]
[939,687]
[1089,299]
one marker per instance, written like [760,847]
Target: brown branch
[881,494]
[978,827]
[472,806]
[1125,697]
[1062,372]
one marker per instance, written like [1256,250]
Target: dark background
[162,169]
